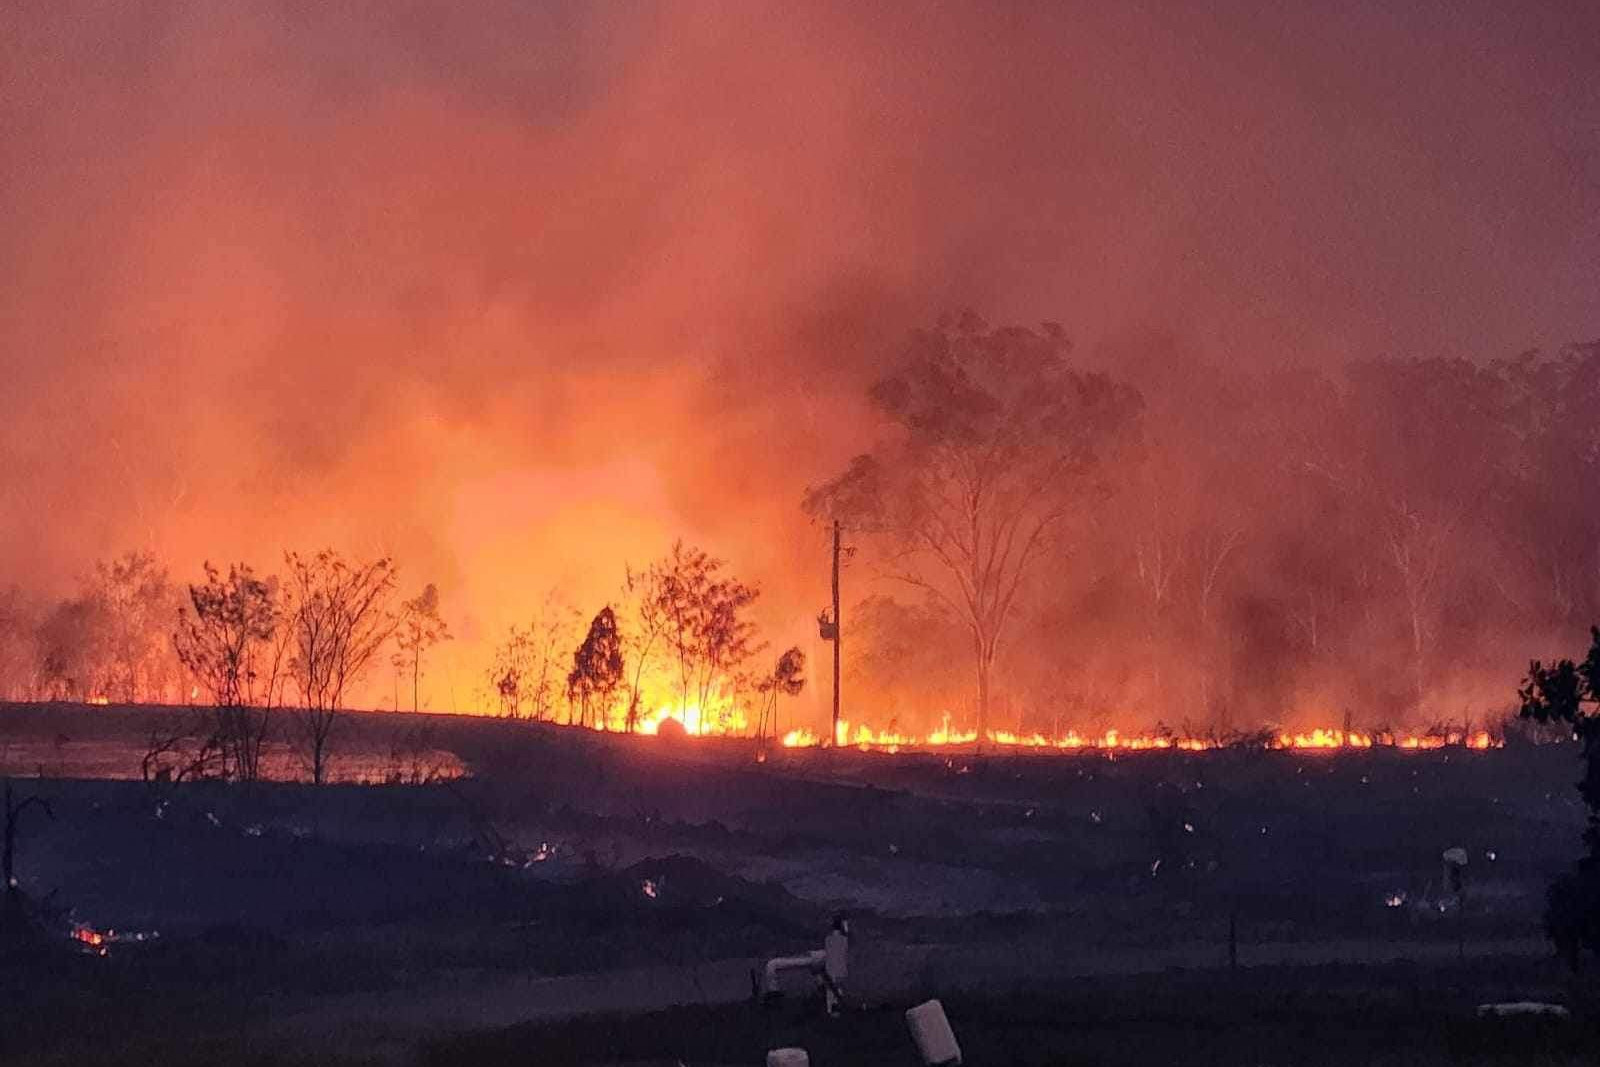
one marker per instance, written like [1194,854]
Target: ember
[99,942]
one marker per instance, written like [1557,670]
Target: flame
[867,739]
[719,719]
[1320,738]
[98,700]
[723,716]
[102,940]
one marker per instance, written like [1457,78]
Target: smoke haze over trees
[521,293]
[1286,547]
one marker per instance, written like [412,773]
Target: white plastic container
[788,1057]
[931,1031]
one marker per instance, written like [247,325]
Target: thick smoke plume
[519,292]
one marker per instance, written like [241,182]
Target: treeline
[1039,546]
[240,645]
[1173,540]
[277,657]
[677,643]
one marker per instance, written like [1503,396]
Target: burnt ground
[573,888]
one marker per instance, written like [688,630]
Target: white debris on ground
[930,1030]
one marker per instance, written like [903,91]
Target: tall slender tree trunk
[1418,643]
[985,669]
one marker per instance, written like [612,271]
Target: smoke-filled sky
[517,290]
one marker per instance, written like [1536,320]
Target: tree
[340,620]
[787,678]
[725,638]
[225,638]
[110,640]
[137,599]
[72,643]
[19,655]
[704,623]
[13,917]
[1432,441]
[994,446]
[643,589]
[420,629]
[530,664]
[905,657]
[683,581]
[597,668]
[509,671]
[1569,693]
[1557,519]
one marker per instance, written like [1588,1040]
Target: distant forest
[1225,548]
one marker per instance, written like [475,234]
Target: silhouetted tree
[703,612]
[186,745]
[341,619]
[650,621]
[996,448]
[530,665]
[420,629]
[226,640]
[1569,692]
[509,671]
[786,679]
[13,918]
[725,639]
[597,668]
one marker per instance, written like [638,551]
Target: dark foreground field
[586,899]
[1324,1015]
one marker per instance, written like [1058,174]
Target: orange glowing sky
[519,291]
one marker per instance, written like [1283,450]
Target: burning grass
[866,739]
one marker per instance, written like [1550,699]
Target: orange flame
[867,739]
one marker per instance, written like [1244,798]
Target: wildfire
[715,721]
[98,700]
[723,716]
[865,738]
[100,941]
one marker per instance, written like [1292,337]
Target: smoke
[520,291]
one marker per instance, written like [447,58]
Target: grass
[1397,1014]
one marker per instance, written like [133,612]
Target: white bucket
[931,1031]
[788,1057]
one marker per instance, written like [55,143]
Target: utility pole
[828,627]
[837,631]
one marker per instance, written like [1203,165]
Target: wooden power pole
[828,625]
[837,632]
